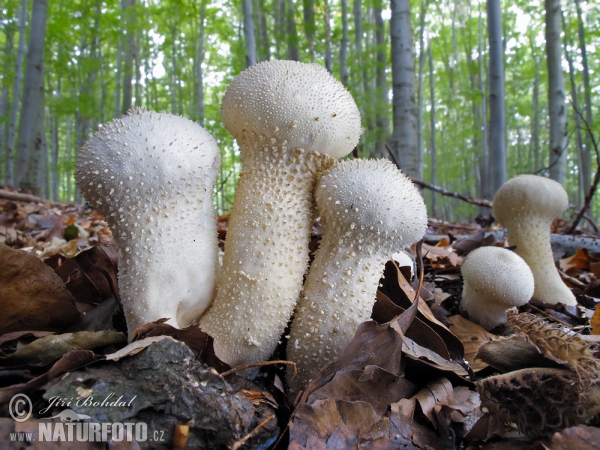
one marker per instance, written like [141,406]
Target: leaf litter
[419,375]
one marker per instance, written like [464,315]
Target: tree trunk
[12,127]
[31,125]
[404,136]
[292,38]
[381,87]
[5,99]
[249,33]
[433,173]
[280,27]
[344,45]
[119,76]
[421,91]
[328,54]
[484,189]
[556,93]
[129,13]
[309,26]
[497,130]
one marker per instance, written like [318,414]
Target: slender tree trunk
[293,50]
[199,61]
[497,130]
[309,26]
[556,93]
[249,33]
[119,77]
[381,86]
[485,182]
[584,157]
[174,66]
[12,128]
[344,45]
[421,91]
[433,173]
[535,120]
[5,99]
[31,125]
[326,20]
[129,13]
[280,27]
[404,136]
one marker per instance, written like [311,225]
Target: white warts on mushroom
[526,205]
[152,177]
[291,121]
[495,279]
[368,210]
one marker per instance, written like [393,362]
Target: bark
[119,76]
[128,63]
[381,87]
[280,27]
[404,137]
[556,93]
[249,33]
[328,54]
[497,129]
[344,45]
[433,174]
[261,31]
[31,125]
[174,66]
[421,91]
[12,127]
[199,61]
[309,26]
[5,98]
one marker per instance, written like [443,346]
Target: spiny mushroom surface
[495,279]
[526,205]
[152,177]
[368,210]
[291,120]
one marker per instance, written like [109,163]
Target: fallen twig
[473,201]
[242,441]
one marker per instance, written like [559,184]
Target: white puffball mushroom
[495,279]
[152,177]
[526,205]
[368,210]
[291,120]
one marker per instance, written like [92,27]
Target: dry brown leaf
[50,348]
[33,297]
[439,392]
[472,337]
[595,322]
[135,347]
[575,438]
[580,260]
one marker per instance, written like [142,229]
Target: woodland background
[465,94]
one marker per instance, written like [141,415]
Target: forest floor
[420,375]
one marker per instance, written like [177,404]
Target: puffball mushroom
[152,177]
[495,279]
[368,210]
[526,205]
[291,121]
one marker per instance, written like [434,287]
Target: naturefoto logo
[69,426]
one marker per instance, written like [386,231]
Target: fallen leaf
[595,322]
[576,438]
[33,297]
[472,337]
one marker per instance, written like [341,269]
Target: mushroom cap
[527,195]
[374,196]
[495,279]
[138,161]
[294,104]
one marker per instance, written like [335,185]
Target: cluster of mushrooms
[152,176]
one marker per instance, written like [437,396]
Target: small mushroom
[291,121]
[152,177]
[368,210]
[526,205]
[495,279]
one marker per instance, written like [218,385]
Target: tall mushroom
[291,121]
[368,209]
[152,176]
[526,205]
[495,279]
